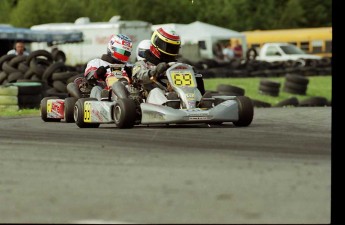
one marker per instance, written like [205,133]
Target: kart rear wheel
[79,114]
[245,111]
[69,109]
[43,110]
[124,113]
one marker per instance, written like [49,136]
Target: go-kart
[176,100]
[54,109]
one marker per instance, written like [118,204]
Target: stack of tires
[268,87]
[295,84]
[29,94]
[39,66]
[8,98]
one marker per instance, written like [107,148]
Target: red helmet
[120,47]
[165,44]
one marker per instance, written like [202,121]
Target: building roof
[8,32]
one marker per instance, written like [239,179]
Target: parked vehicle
[271,52]
[316,41]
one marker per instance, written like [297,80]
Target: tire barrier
[29,94]
[8,98]
[40,74]
[314,101]
[268,87]
[295,84]
[250,67]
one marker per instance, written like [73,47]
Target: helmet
[165,44]
[142,47]
[120,47]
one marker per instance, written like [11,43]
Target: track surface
[277,170]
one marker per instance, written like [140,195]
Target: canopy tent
[28,35]
[197,31]
[206,35]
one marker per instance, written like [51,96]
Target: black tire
[268,89]
[78,114]
[293,101]
[55,67]
[173,96]
[16,60]
[270,83]
[39,53]
[69,109]
[295,78]
[296,86]
[3,76]
[224,88]
[8,69]
[60,86]
[6,58]
[260,104]
[245,111]
[43,110]
[63,76]
[294,91]
[314,101]
[124,113]
[23,67]
[39,65]
[13,77]
[59,56]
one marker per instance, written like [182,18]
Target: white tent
[196,31]
[207,35]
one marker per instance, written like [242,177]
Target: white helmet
[142,47]
[120,47]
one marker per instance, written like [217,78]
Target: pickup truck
[271,52]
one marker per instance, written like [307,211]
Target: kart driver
[164,48]
[118,52]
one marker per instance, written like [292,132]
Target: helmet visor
[121,51]
[167,48]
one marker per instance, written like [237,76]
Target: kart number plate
[87,112]
[182,79]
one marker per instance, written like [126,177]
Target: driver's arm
[142,72]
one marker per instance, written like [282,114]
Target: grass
[318,86]
[21,112]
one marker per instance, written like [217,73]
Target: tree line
[240,15]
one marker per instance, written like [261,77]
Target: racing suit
[143,69]
[96,80]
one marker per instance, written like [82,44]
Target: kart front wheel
[80,112]
[124,113]
[245,111]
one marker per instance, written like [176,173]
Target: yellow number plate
[49,106]
[87,112]
[182,79]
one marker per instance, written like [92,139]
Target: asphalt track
[277,170]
